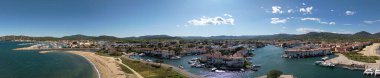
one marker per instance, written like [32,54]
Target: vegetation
[247,64]
[152,71]
[125,69]
[360,57]
[274,74]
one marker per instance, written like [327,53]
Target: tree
[274,74]
[177,50]
[159,61]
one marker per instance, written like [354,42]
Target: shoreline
[347,63]
[106,67]
[96,68]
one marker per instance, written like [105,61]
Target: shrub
[274,74]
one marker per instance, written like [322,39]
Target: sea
[32,64]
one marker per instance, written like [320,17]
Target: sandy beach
[107,66]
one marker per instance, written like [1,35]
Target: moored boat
[369,71]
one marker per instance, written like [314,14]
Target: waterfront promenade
[181,71]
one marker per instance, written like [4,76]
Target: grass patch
[152,71]
[102,54]
[125,69]
[360,57]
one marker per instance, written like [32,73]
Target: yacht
[325,58]
[369,71]
[377,72]
[220,71]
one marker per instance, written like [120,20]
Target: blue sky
[124,18]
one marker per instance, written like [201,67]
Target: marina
[268,58]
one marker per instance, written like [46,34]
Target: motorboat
[148,60]
[369,71]
[220,71]
[377,72]
[141,54]
[213,69]
[325,58]
[318,62]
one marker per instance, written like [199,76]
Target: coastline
[107,67]
[345,62]
[96,68]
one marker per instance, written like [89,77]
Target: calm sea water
[269,58]
[31,64]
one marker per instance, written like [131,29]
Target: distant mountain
[363,34]
[232,37]
[105,37]
[377,35]
[153,37]
[276,36]
[78,37]
[326,36]
[323,35]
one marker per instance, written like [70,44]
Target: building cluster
[310,50]
[174,49]
[300,49]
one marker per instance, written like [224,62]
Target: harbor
[268,58]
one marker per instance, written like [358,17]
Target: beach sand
[107,66]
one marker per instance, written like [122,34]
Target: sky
[126,18]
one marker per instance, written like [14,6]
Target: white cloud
[290,10]
[311,19]
[332,23]
[332,10]
[350,12]
[318,20]
[212,21]
[277,20]
[306,10]
[276,9]
[228,15]
[306,30]
[371,22]
[303,4]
